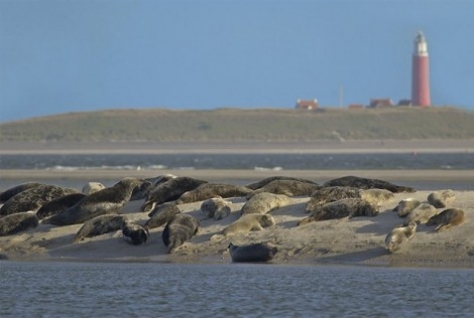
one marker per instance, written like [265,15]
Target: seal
[106,201]
[100,225]
[33,198]
[329,194]
[92,187]
[17,222]
[245,224]
[135,234]
[170,190]
[287,187]
[162,214]
[10,192]
[59,204]
[367,183]
[141,192]
[347,207]
[399,236]
[406,206]
[421,214]
[180,229]
[441,199]
[210,190]
[267,180]
[263,203]
[447,218]
[260,252]
[216,208]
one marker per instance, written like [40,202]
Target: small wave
[260,168]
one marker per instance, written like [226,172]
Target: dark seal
[18,222]
[368,183]
[260,252]
[179,230]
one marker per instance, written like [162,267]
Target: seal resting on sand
[347,207]
[287,187]
[267,180]
[406,206]
[162,214]
[92,187]
[179,230]
[59,204]
[399,236]
[367,183]
[447,218]
[260,252]
[441,199]
[245,224]
[17,222]
[33,198]
[263,203]
[210,190]
[421,214]
[12,191]
[100,225]
[135,234]
[170,190]
[106,201]
[217,208]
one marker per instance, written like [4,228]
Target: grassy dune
[163,125]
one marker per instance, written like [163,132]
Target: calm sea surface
[64,289]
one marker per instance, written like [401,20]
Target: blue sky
[60,56]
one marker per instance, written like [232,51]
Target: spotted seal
[12,191]
[347,207]
[447,218]
[367,183]
[260,252]
[17,222]
[179,230]
[33,198]
[108,200]
[399,236]
[99,225]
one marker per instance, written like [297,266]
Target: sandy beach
[357,241]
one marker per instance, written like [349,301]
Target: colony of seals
[260,252]
[108,200]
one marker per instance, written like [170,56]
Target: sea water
[67,289]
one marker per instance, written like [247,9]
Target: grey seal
[447,218]
[263,203]
[59,204]
[180,229]
[399,236]
[217,208]
[99,225]
[260,252]
[210,190]
[33,198]
[108,200]
[12,191]
[441,199]
[421,214]
[287,187]
[17,222]
[267,180]
[170,190]
[162,214]
[135,234]
[367,183]
[406,206]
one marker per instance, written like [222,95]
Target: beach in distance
[356,241]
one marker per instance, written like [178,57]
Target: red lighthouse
[420,90]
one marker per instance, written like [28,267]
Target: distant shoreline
[244,147]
